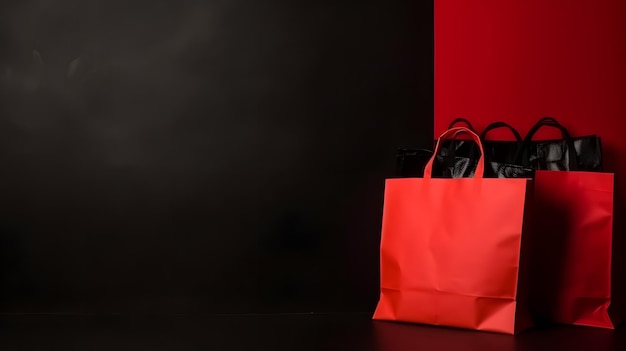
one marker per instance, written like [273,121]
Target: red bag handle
[480,167]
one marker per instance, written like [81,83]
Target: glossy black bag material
[518,158]
[501,155]
[455,149]
[411,162]
[555,155]
[456,159]
[501,150]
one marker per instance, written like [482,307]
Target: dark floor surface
[279,332]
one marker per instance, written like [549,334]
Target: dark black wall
[196,157]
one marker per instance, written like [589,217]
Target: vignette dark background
[220,156]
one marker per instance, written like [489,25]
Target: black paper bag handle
[480,167]
[450,149]
[462,120]
[497,125]
[523,154]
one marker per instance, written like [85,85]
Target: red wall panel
[519,60]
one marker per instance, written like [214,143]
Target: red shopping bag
[572,278]
[451,250]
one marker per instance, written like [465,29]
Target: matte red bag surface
[451,250]
[574,226]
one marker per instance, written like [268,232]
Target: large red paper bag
[451,250]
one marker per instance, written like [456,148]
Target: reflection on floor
[279,332]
